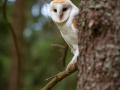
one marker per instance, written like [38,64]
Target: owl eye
[55,10]
[64,9]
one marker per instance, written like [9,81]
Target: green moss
[85,10]
[108,54]
[93,2]
[117,58]
[94,84]
[98,6]
[88,69]
[83,23]
[118,18]
[117,53]
[117,12]
[108,65]
[108,14]
[115,74]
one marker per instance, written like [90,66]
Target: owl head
[60,10]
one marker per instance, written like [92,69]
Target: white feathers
[60,12]
[63,14]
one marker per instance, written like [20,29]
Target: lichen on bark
[99,45]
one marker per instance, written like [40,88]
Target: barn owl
[63,13]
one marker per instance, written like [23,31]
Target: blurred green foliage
[40,59]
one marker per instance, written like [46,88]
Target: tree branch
[11,28]
[60,76]
[65,55]
[65,52]
[58,45]
[14,39]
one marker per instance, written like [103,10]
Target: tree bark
[18,26]
[99,45]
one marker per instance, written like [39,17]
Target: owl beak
[61,16]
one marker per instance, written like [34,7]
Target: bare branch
[57,78]
[51,77]
[58,45]
[65,52]
[14,39]
[11,28]
[65,55]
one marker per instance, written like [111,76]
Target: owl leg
[73,61]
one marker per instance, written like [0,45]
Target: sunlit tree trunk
[18,26]
[99,45]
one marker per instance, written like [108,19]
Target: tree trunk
[99,45]
[18,26]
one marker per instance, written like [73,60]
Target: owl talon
[69,66]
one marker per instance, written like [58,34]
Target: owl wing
[74,24]
[70,46]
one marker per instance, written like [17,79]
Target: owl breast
[70,37]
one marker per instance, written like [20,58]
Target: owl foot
[70,66]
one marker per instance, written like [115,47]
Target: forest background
[41,58]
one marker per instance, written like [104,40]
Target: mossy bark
[99,45]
